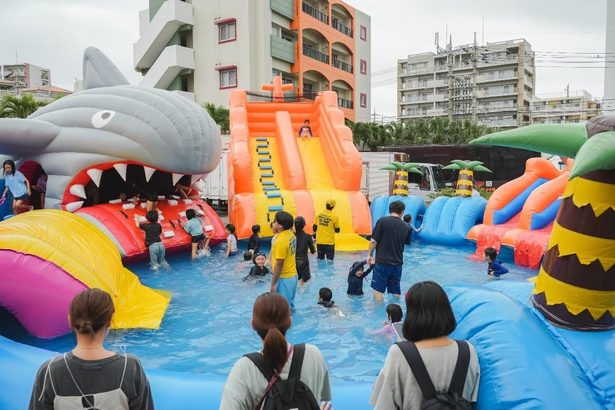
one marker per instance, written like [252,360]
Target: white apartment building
[204,49]
[26,75]
[493,84]
[565,107]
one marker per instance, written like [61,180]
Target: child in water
[259,269]
[394,315]
[325,296]
[254,241]
[408,220]
[304,242]
[153,230]
[495,267]
[356,274]
[231,241]
[194,227]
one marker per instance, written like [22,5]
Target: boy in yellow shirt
[284,278]
[326,225]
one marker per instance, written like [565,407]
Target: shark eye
[102,118]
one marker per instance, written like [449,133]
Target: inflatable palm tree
[401,176]
[465,180]
[575,287]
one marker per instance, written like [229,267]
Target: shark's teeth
[121,169]
[95,174]
[148,172]
[78,190]
[73,206]
[176,178]
[195,178]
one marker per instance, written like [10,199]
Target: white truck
[377,182]
[216,184]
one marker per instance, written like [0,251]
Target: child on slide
[194,227]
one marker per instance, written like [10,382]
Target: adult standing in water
[90,376]
[326,225]
[247,386]
[388,239]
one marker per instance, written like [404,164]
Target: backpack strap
[259,362]
[460,373]
[297,362]
[413,357]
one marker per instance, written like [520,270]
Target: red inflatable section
[119,222]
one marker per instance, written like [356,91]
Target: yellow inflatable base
[348,242]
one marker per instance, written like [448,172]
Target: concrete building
[26,75]
[560,108]
[207,48]
[493,84]
[609,72]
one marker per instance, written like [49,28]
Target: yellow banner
[599,195]
[575,298]
[587,248]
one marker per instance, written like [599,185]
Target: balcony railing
[340,27]
[342,65]
[317,14]
[316,55]
[344,103]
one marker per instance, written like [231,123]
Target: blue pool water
[207,326]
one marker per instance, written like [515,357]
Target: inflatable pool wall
[415,206]
[448,220]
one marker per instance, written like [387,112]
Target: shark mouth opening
[116,181]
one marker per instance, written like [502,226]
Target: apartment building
[560,108]
[26,75]
[493,84]
[205,49]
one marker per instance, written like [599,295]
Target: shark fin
[99,71]
[20,137]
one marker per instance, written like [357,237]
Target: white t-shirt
[396,387]
[246,385]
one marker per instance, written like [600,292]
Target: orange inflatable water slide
[520,213]
[271,169]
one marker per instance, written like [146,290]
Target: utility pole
[449,60]
[474,58]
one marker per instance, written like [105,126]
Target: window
[363,33]
[227,30]
[228,77]
[363,67]
[363,100]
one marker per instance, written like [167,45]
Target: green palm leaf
[409,165]
[399,165]
[390,167]
[472,164]
[481,168]
[414,170]
[452,166]
[597,154]
[460,163]
[556,139]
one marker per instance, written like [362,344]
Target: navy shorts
[386,278]
[325,251]
[198,238]
[24,197]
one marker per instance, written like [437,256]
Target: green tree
[220,115]
[19,106]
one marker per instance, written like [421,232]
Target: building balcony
[317,14]
[283,7]
[282,49]
[341,27]
[344,103]
[496,93]
[342,66]
[316,55]
[172,61]
[495,78]
[437,97]
[157,33]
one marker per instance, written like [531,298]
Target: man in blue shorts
[388,240]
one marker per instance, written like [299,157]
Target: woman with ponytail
[246,386]
[90,376]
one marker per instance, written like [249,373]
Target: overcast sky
[53,34]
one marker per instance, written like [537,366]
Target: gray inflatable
[112,123]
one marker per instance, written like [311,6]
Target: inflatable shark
[99,144]
[111,124]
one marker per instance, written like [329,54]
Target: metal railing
[316,55]
[344,103]
[341,27]
[342,65]
[317,14]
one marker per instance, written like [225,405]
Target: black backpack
[287,394]
[439,400]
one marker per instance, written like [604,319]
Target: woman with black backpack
[428,370]
[263,380]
